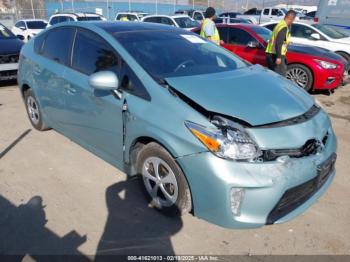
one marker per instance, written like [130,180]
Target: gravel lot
[57,198]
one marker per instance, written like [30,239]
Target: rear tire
[301,76]
[164,182]
[34,111]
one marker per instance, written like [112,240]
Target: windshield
[89,18]
[263,32]
[329,31]
[36,24]
[5,33]
[186,22]
[168,53]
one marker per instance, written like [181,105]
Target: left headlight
[325,65]
[226,140]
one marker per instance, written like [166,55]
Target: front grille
[6,59]
[296,196]
[8,75]
[311,147]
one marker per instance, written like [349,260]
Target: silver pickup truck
[269,14]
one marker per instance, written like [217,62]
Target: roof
[170,16]
[114,27]
[30,20]
[76,14]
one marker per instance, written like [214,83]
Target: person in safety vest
[208,29]
[276,49]
[124,18]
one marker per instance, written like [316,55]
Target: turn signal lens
[209,142]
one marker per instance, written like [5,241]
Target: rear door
[53,50]
[94,118]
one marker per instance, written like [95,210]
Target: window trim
[236,28]
[40,52]
[97,35]
[121,63]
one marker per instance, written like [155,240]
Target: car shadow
[23,232]
[134,227]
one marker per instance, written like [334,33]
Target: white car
[181,21]
[66,17]
[319,35]
[28,28]
[130,16]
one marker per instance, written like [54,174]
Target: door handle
[37,70]
[70,90]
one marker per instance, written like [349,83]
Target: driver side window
[302,31]
[239,37]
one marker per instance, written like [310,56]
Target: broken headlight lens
[227,140]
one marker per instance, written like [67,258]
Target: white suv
[181,21]
[130,16]
[28,28]
[66,17]
[319,35]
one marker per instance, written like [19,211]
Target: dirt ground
[57,198]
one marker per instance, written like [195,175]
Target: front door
[94,118]
[238,40]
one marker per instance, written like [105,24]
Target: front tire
[34,111]
[163,180]
[301,76]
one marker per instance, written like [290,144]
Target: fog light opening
[236,197]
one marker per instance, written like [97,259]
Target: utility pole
[73,6]
[31,2]
[107,9]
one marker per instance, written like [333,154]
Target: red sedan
[309,67]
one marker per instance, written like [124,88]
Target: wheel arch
[134,149]
[24,88]
[308,67]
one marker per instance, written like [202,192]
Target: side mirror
[315,36]
[253,44]
[104,80]
[22,28]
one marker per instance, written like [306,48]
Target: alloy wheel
[298,76]
[160,182]
[33,110]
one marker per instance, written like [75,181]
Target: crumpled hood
[253,94]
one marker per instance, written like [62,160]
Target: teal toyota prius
[234,143]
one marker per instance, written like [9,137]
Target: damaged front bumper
[263,187]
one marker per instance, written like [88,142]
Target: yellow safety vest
[271,45]
[216,37]
[124,18]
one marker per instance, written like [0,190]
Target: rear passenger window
[92,54]
[58,43]
[38,43]
[55,20]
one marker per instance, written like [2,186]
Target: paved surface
[56,197]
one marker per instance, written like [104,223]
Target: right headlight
[226,140]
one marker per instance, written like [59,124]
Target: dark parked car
[10,46]
[229,14]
